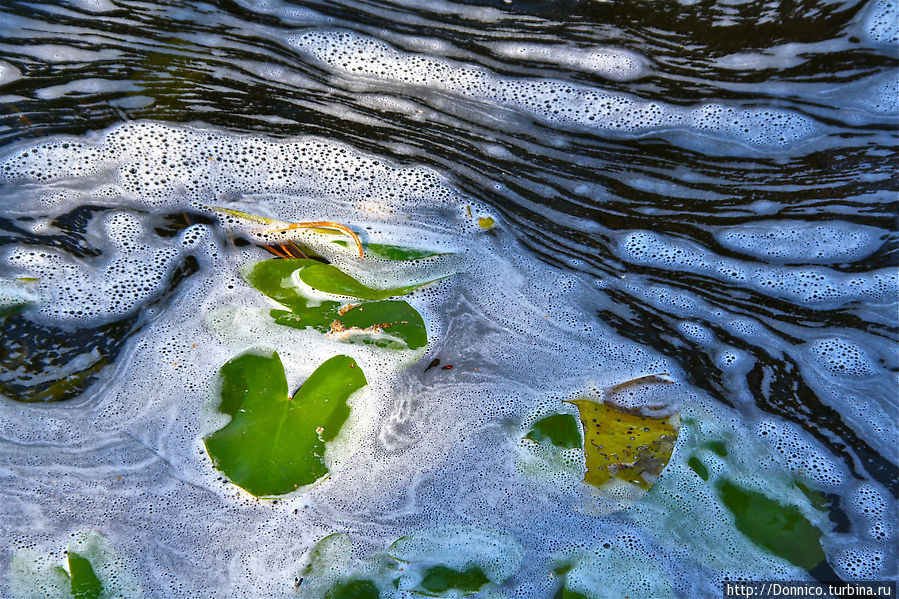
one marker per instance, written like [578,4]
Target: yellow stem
[323,225]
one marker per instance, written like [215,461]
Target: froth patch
[156,164]
[8,73]
[881,24]
[810,285]
[100,288]
[616,64]
[802,242]
[552,101]
[842,358]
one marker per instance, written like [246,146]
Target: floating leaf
[330,279]
[486,222]
[562,430]
[619,444]
[392,324]
[781,529]
[85,584]
[274,443]
[396,253]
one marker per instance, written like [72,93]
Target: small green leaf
[274,279]
[780,529]
[698,467]
[393,252]
[85,584]
[562,430]
[630,447]
[354,589]
[274,443]
[330,279]
[440,579]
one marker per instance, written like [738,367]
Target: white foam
[842,358]
[810,285]
[8,73]
[616,64]
[556,102]
[881,22]
[802,242]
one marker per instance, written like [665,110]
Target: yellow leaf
[624,444]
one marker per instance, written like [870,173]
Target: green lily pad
[781,529]
[330,279]
[562,430]
[630,447]
[84,581]
[392,324]
[274,443]
[393,252]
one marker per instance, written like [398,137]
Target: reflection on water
[705,189]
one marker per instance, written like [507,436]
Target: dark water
[799,324]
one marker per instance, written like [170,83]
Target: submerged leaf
[618,444]
[438,580]
[561,430]
[274,443]
[84,581]
[781,529]
[354,589]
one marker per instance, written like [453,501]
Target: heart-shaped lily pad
[393,323]
[275,443]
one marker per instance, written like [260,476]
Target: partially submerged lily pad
[455,561]
[275,443]
[83,579]
[92,571]
[781,529]
[294,283]
[561,430]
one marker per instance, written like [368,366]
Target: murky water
[707,190]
